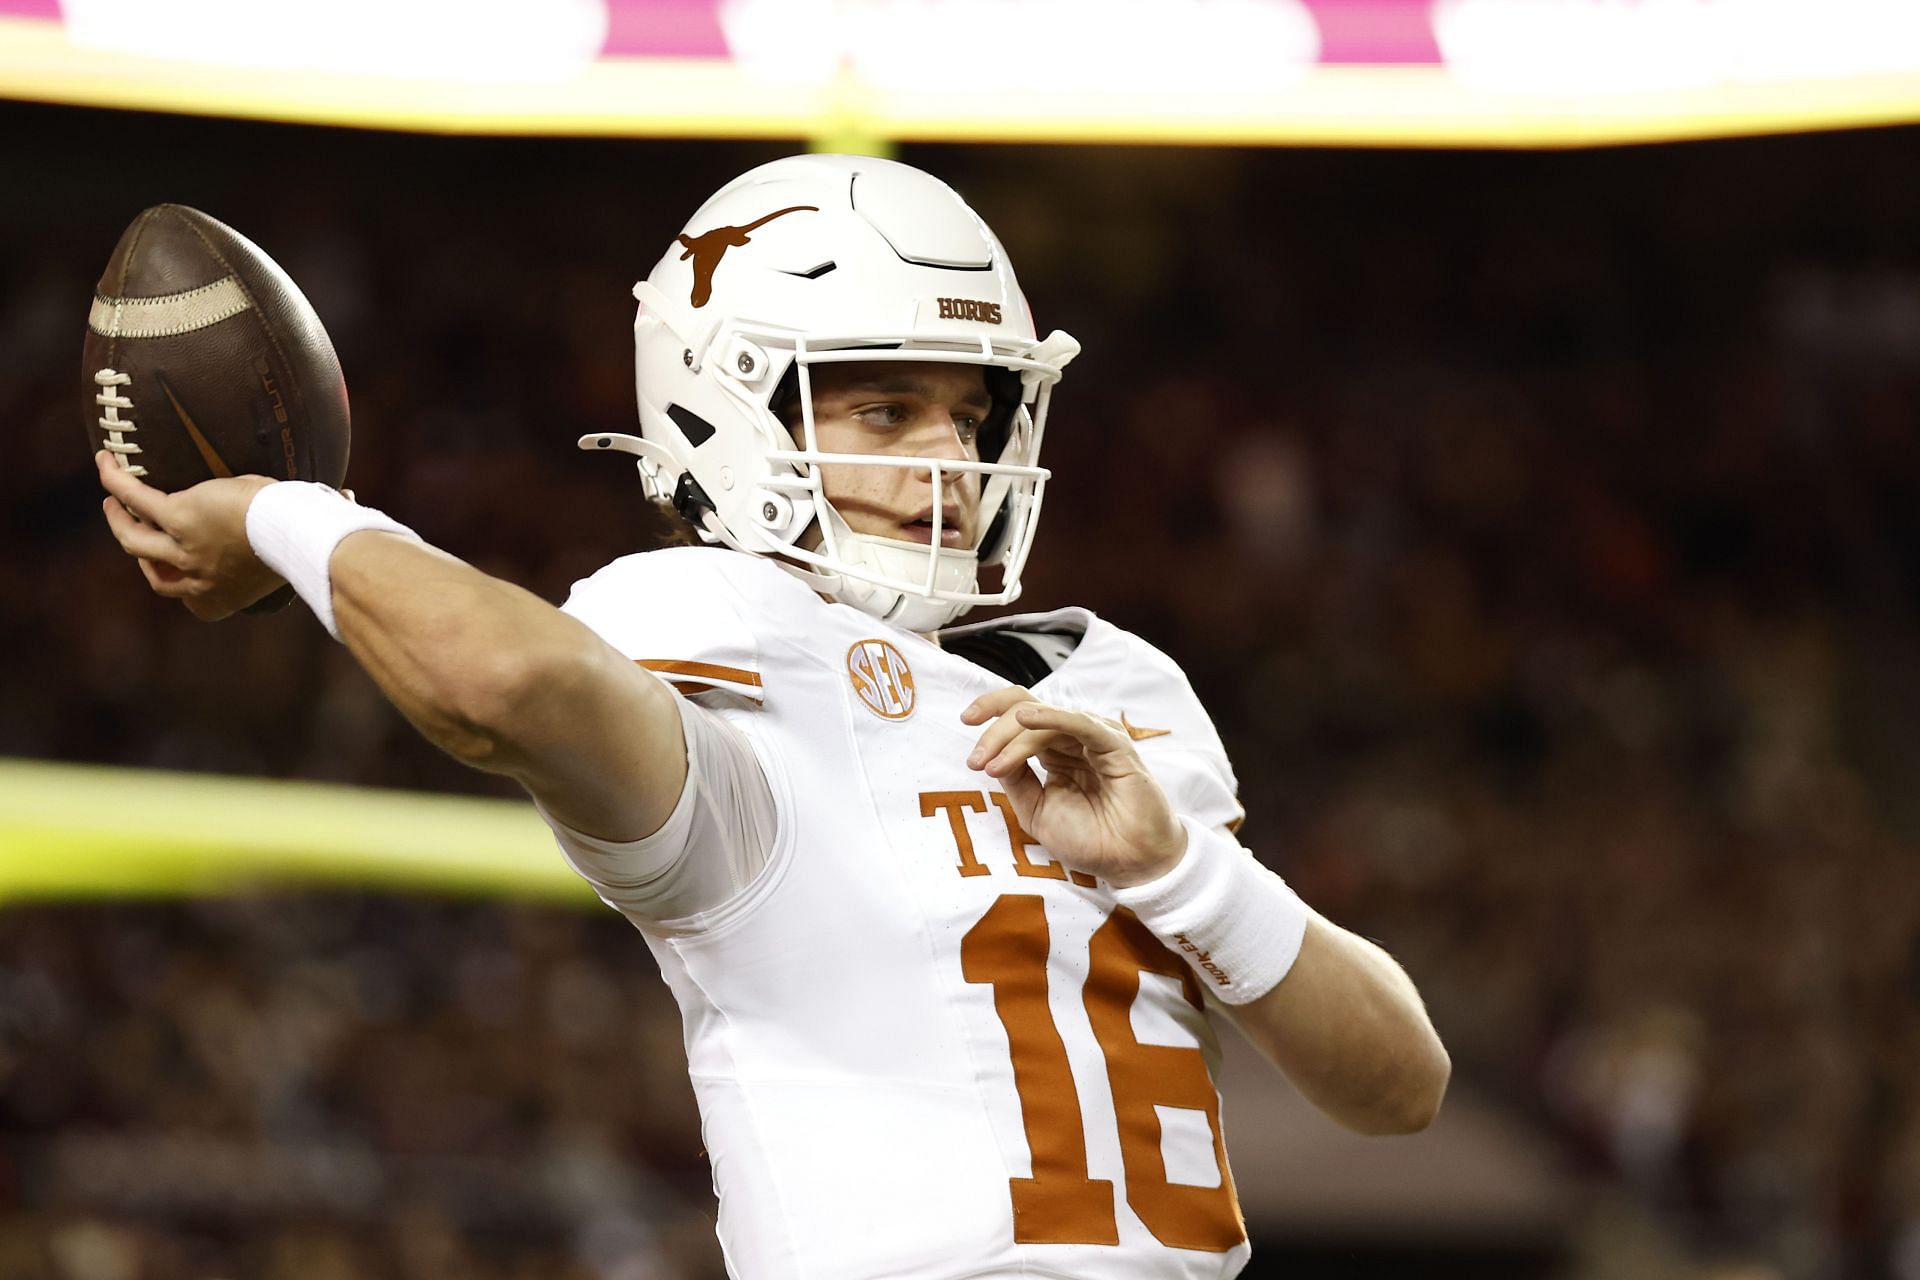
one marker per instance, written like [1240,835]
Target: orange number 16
[1060,1204]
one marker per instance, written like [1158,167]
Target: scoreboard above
[1468,73]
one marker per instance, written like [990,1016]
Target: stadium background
[1542,529]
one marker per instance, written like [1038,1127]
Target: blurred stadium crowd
[1543,531]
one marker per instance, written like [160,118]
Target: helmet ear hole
[695,428]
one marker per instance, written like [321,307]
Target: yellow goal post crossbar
[88,831]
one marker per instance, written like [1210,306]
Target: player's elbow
[1410,1096]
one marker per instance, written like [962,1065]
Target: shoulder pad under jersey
[683,612]
[1115,673]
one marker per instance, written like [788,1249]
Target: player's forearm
[461,654]
[488,672]
[1350,1031]
[1332,1010]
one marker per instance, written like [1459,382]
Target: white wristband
[294,527]
[1234,921]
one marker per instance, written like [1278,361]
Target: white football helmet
[816,259]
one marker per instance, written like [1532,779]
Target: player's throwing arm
[490,673]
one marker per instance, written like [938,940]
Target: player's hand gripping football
[1099,810]
[192,545]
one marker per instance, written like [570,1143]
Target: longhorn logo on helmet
[707,248]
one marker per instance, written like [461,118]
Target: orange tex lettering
[957,804]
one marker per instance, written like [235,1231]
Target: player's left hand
[1099,810]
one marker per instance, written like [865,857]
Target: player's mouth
[920,529]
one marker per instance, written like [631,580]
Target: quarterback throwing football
[951,913]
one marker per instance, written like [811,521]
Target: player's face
[918,409]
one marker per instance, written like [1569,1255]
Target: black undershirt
[1001,652]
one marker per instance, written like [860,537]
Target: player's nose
[944,440]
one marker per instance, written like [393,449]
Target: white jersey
[921,1046]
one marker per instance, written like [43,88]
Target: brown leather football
[203,359]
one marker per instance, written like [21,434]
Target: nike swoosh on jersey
[1139,734]
[208,453]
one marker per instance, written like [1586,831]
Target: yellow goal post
[87,831]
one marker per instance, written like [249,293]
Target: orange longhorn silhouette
[707,248]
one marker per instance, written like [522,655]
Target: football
[203,359]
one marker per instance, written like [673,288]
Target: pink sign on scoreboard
[664,29]
[1375,31]
[1351,31]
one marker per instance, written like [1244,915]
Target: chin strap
[908,611]
[917,613]
[955,572]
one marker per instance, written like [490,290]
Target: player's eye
[881,415]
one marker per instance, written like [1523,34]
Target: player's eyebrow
[906,384]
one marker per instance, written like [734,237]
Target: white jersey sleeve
[711,847]
[677,618]
[680,614]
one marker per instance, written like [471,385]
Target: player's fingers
[1024,790]
[1025,746]
[994,743]
[165,579]
[988,705]
[136,539]
[1091,730]
[994,740]
[143,500]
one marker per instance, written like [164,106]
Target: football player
[951,913]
